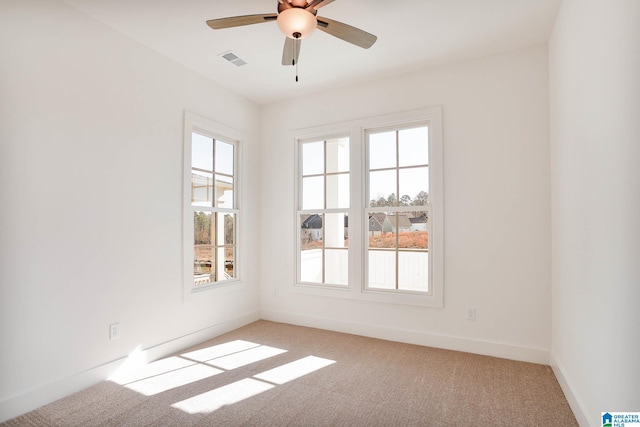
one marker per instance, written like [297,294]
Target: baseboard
[488,348]
[39,396]
[569,392]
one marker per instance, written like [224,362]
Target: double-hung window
[397,211]
[211,211]
[323,211]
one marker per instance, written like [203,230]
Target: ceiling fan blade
[291,51]
[317,4]
[347,32]
[237,21]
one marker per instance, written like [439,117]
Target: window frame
[322,211]
[394,210]
[358,240]
[194,123]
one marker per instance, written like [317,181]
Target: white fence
[413,268]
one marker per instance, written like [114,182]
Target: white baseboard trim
[39,396]
[569,392]
[488,348]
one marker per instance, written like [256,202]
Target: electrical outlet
[114,331]
[471,313]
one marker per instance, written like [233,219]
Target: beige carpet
[325,379]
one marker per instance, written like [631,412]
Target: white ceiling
[412,34]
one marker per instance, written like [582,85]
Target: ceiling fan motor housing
[296,22]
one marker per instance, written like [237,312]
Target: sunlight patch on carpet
[291,371]
[173,379]
[227,395]
[246,357]
[240,390]
[220,350]
[148,370]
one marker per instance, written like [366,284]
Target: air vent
[233,58]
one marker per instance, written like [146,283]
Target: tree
[228,229]
[405,200]
[202,228]
[421,199]
[381,201]
[392,200]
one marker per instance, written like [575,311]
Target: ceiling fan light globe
[296,21]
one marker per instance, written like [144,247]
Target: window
[370,209]
[397,210]
[323,211]
[211,211]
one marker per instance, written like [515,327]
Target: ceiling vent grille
[233,58]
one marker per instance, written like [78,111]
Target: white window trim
[300,211]
[357,139]
[204,126]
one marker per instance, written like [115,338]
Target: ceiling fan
[297,19]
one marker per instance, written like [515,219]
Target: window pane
[311,235]
[376,226]
[382,188]
[203,266]
[335,231]
[413,147]
[382,269]
[336,270]
[201,188]
[225,224]
[224,191]
[229,262]
[338,191]
[382,150]
[413,182]
[201,152]
[313,193]
[382,227]
[337,155]
[413,271]
[204,259]
[418,237]
[313,158]
[203,228]
[229,225]
[311,266]
[220,266]
[224,157]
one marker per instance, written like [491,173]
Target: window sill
[217,288]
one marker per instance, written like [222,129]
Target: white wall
[497,207]
[595,114]
[90,200]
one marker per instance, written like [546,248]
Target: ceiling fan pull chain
[293,52]
[296,48]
